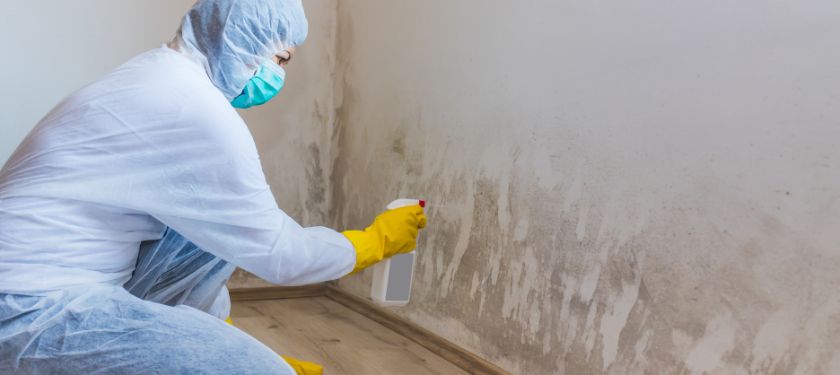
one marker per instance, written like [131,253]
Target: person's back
[64,223]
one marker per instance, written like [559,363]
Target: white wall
[621,187]
[52,47]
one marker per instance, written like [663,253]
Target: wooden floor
[320,330]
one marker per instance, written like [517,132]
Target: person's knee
[218,351]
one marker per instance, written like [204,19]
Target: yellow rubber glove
[303,367]
[300,367]
[392,232]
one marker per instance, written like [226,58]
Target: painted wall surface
[617,188]
[54,47]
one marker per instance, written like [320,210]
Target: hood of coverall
[231,38]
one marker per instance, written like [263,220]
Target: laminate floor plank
[320,330]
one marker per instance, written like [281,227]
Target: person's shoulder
[211,117]
[165,74]
[166,89]
[169,81]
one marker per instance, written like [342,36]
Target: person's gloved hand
[300,367]
[303,367]
[392,232]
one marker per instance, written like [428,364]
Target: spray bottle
[392,277]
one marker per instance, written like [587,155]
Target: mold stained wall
[293,133]
[617,188]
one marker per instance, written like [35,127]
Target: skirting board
[425,338]
[277,292]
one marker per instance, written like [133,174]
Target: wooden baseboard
[425,338]
[277,292]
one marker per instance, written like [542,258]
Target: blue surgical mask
[263,86]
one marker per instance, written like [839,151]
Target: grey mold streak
[316,180]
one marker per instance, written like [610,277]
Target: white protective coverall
[154,146]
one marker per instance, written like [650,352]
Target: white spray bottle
[392,277]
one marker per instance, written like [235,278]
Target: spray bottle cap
[404,202]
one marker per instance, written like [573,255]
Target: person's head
[243,42]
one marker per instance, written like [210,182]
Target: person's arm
[298,255]
[283,253]
[206,182]
[211,189]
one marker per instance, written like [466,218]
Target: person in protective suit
[127,208]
